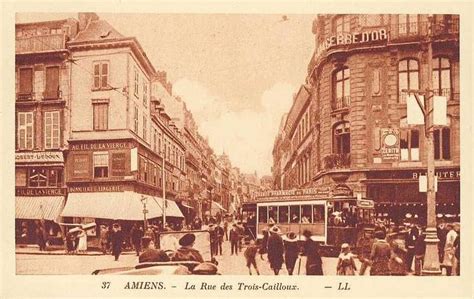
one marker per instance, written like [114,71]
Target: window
[51,130]
[155,139]
[262,214]
[145,124]
[343,24]
[100,115]
[442,142]
[372,20]
[409,142]
[407,24]
[442,77]
[342,139]
[25,130]
[135,120]
[26,81]
[294,214]
[306,214]
[318,213]
[145,94]
[342,88]
[101,164]
[101,75]
[135,85]
[283,214]
[45,177]
[52,83]
[408,77]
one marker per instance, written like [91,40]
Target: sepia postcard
[208,149]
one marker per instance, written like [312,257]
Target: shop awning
[216,207]
[38,207]
[117,205]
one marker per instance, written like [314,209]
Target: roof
[98,30]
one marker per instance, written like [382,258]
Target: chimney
[85,18]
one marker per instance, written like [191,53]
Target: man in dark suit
[117,240]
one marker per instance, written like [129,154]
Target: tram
[332,219]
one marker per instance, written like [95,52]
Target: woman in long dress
[82,246]
[346,264]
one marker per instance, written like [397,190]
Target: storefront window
[38,178]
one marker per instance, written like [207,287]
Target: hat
[344,246]
[275,229]
[187,240]
[291,237]
[307,233]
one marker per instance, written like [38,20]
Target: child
[346,264]
[250,254]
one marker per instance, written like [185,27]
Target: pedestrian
[250,254]
[136,236]
[397,263]
[213,238]
[364,245]
[457,253]
[117,240]
[275,249]
[441,233]
[314,263]
[234,239]
[241,230]
[263,245]
[226,229]
[186,252]
[70,243]
[104,231]
[345,262]
[410,240]
[82,244]
[420,248]
[292,251]
[380,255]
[40,240]
[449,258]
[220,238]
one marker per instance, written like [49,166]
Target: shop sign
[40,191]
[390,145]
[100,146]
[442,174]
[96,188]
[341,190]
[81,166]
[352,38]
[448,174]
[118,164]
[294,192]
[43,157]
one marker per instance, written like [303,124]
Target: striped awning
[38,207]
[117,205]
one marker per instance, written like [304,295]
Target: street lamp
[145,211]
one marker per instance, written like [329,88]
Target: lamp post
[145,211]
[431,264]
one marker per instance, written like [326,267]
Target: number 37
[105,284]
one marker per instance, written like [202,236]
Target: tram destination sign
[300,194]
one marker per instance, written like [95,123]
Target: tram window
[318,213]
[262,214]
[306,214]
[283,214]
[272,214]
[295,214]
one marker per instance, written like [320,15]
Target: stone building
[361,139]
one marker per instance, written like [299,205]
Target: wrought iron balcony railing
[341,102]
[337,161]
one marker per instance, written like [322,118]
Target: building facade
[361,139]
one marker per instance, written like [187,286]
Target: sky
[236,73]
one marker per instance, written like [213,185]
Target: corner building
[361,138]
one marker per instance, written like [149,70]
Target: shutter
[96,76]
[52,82]
[56,129]
[105,75]
[26,81]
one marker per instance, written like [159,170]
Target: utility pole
[431,264]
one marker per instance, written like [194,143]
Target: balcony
[446,27]
[337,161]
[40,43]
[341,103]
[25,96]
[407,31]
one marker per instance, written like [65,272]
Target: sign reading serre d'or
[352,38]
